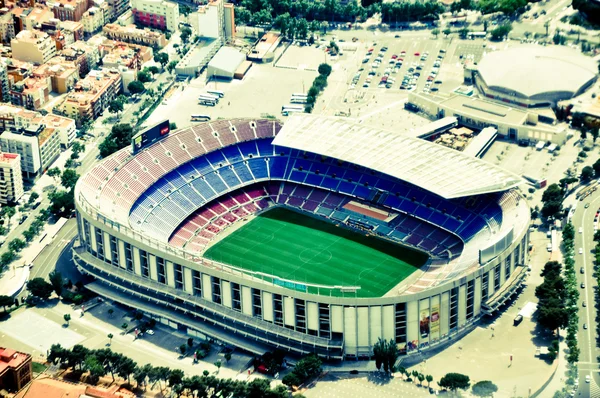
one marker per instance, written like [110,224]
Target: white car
[587,378]
[580,229]
[580,250]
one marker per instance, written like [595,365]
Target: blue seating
[362,192]
[314,179]
[259,168]
[248,148]
[215,158]
[277,167]
[215,182]
[244,174]
[229,177]
[297,176]
[203,188]
[232,154]
[346,187]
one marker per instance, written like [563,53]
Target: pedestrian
[228,103]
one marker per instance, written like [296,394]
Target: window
[278,309]
[470,298]
[300,316]
[256,303]
[236,303]
[178,276]
[484,287]
[99,244]
[144,263]
[197,283]
[87,235]
[453,308]
[507,268]
[160,268]
[128,257]
[401,323]
[216,289]
[497,278]
[114,251]
[324,321]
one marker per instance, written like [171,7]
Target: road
[587,338]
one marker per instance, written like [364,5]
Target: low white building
[11,179]
[225,62]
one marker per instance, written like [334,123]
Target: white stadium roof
[443,171]
[535,70]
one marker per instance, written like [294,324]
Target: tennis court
[293,246]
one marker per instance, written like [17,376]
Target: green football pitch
[298,247]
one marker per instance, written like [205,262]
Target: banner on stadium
[290,285]
[424,323]
[434,323]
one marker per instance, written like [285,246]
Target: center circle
[315,256]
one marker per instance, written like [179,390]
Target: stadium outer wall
[234,309]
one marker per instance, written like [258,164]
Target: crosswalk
[594,390]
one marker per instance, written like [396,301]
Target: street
[587,338]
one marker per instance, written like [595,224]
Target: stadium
[315,236]
[535,76]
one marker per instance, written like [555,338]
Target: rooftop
[484,109]
[438,169]
[130,29]
[10,358]
[535,70]
[46,387]
[8,158]
[31,35]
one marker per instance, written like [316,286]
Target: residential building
[90,96]
[86,56]
[17,70]
[17,118]
[104,7]
[68,32]
[31,93]
[158,14]
[130,34]
[214,20]
[31,18]
[7,26]
[68,10]
[119,7]
[38,147]
[131,56]
[11,179]
[15,369]
[33,46]
[63,74]
[92,20]
[4,82]
[40,388]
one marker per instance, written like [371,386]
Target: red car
[417,54]
[371,49]
[429,78]
[394,56]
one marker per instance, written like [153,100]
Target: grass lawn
[37,367]
[293,246]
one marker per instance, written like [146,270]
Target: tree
[33,197]
[435,32]
[185,10]
[124,326]
[119,137]
[110,337]
[110,312]
[69,178]
[429,379]
[67,318]
[7,258]
[56,280]
[144,76]
[597,236]
[421,378]
[415,374]
[135,87]
[587,173]
[500,32]
[162,58]
[218,365]
[6,301]
[172,126]
[95,368]
[175,377]
[54,172]
[182,349]
[70,163]
[62,203]
[454,381]
[324,69]
[115,106]
[125,367]
[527,35]
[291,379]
[57,352]
[16,245]
[447,31]
[594,131]
[227,357]
[484,388]
[185,34]
[463,33]
[153,69]
[171,66]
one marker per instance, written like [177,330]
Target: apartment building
[68,10]
[17,70]
[7,26]
[159,14]
[31,18]
[118,7]
[11,179]
[92,20]
[85,55]
[214,19]
[130,34]
[38,148]
[33,46]
[4,82]
[131,56]
[90,96]
[31,93]
[62,74]
[17,118]
[15,369]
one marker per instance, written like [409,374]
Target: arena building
[535,76]
[317,236]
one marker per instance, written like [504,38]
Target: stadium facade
[146,216]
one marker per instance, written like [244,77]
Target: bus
[207,102]
[200,118]
[292,107]
[287,111]
[218,93]
[299,95]
[476,35]
[209,96]
[297,100]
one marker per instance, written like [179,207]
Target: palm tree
[402,371]
[67,318]
[421,377]
[415,374]
[110,337]
[547,26]
[111,312]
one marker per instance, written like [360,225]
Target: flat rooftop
[483,109]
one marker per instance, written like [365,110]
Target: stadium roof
[535,70]
[443,171]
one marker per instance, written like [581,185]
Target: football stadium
[319,235]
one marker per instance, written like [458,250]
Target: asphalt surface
[588,365]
